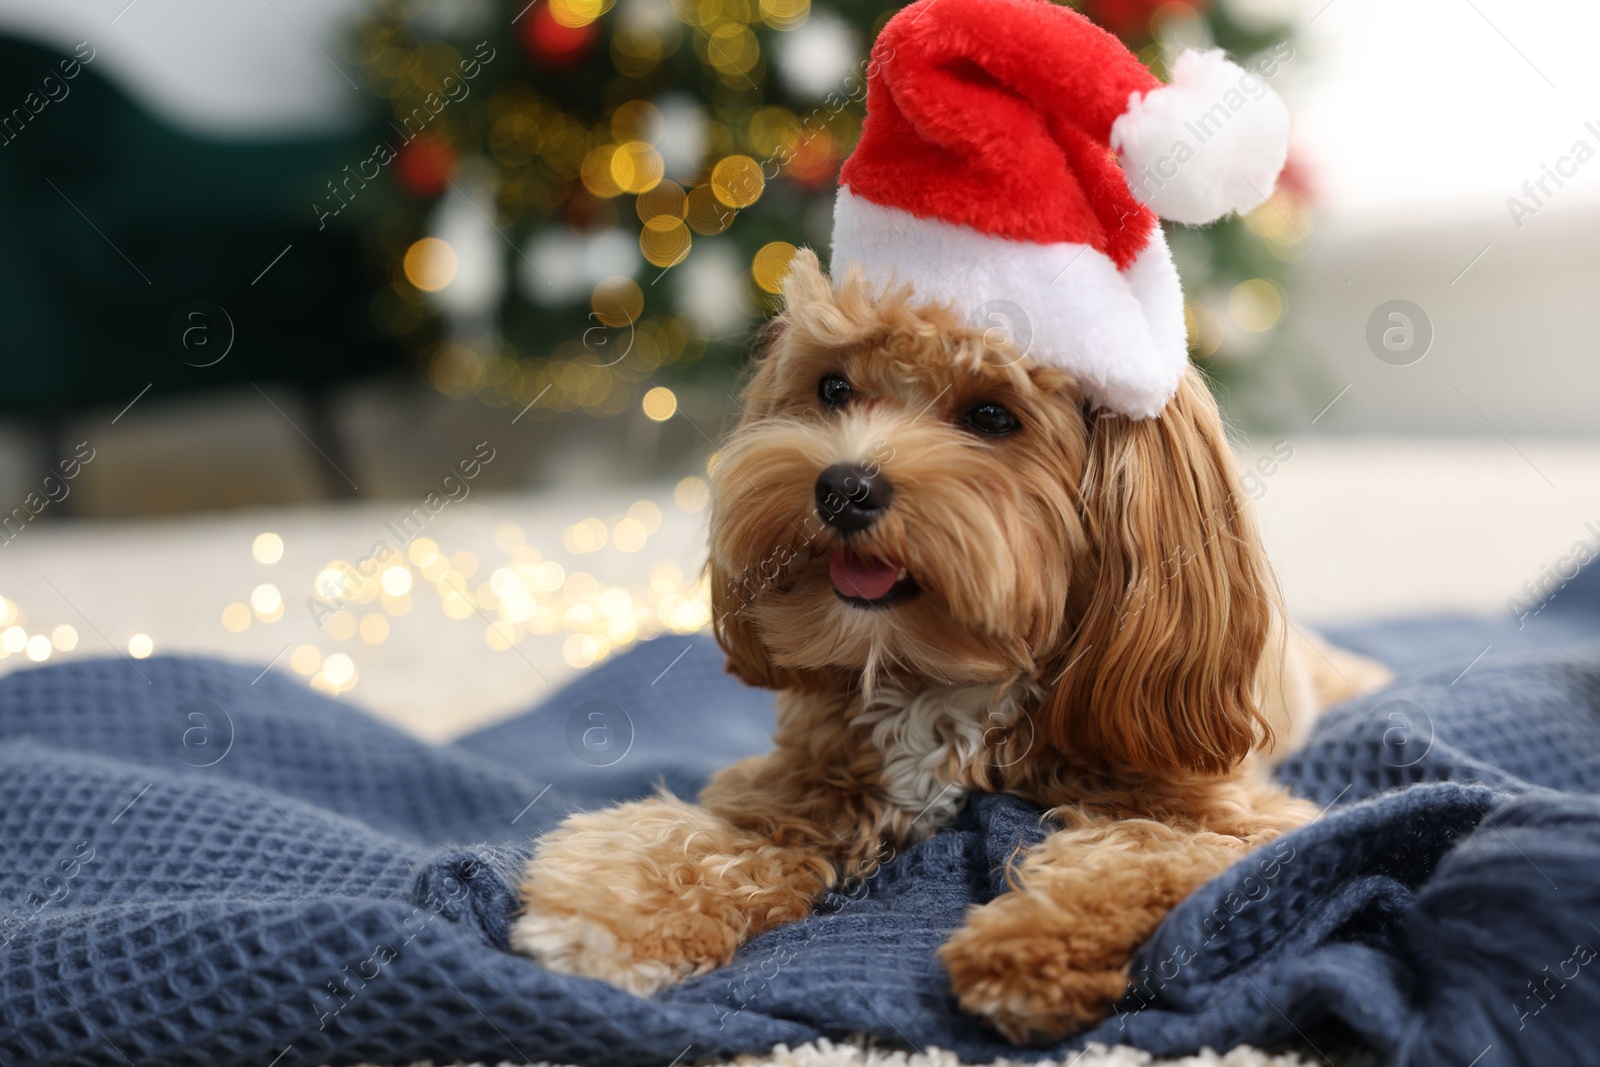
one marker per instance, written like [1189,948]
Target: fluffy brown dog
[958,577]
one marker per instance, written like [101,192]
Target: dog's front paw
[572,943]
[651,893]
[586,913]
[1028,982]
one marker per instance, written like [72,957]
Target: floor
[496,599]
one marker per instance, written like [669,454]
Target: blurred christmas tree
[586,194]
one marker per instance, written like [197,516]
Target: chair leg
[50,444]
[322,433]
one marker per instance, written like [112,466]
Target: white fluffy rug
[846,1054]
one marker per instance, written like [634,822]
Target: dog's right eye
[834,391]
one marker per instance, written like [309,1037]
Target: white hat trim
[1120,333]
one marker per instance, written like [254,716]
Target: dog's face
[907,501]
[903,504]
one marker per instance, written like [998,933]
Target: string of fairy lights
[519,594]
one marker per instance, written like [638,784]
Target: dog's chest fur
[931,739]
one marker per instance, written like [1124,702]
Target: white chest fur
[930,740]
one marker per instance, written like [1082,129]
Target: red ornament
[815,161]
[1298,179]
[424,166]
[555,47]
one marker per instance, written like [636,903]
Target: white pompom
[1210,143]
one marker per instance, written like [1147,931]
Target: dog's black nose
[850,500]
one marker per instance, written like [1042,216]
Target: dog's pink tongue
[862,578]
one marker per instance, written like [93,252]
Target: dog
[959,576]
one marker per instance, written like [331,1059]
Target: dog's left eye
[834,391]
[992,419]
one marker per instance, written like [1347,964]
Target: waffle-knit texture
[332,891]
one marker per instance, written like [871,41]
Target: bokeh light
[267,548]
[629,535]
[339,669]
[691,494]
[305,660]
[374,629]
[771,265]
[737,181]
[397,580]
[266,601]
[430,264]
[660,403]
[1256,304]
[636,167]
[617,301]
[236,618]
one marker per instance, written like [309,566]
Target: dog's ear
[748,659]
[731,594]
[1172,606]
[805,286]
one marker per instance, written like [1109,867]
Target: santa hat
[987,178]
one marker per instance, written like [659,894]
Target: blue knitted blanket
[199,866]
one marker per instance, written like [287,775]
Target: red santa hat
[987,171]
